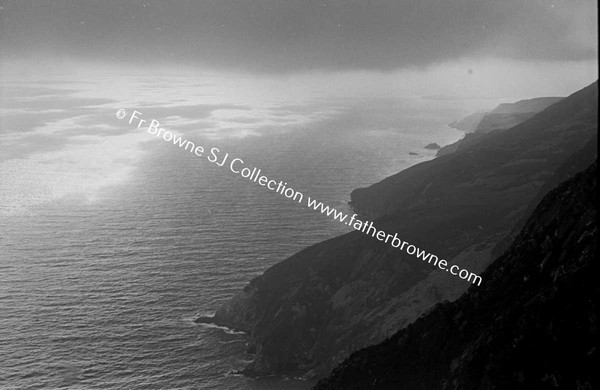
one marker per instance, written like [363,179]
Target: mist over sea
[113,241]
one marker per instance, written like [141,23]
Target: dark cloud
[277,35]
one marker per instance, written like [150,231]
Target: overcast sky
[277,35]
[481,48]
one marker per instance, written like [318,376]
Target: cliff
[576,163]
[533,324]
[469,123]
[309,312]
[505,116]
[505,157]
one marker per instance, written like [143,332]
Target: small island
[433,146]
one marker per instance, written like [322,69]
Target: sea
[112,241]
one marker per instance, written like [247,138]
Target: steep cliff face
[309,312]
[574,164]
[469,123]
[523,155]
[533,324]
[505,116]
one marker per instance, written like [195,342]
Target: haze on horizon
[441,49]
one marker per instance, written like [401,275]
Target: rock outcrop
[432,146]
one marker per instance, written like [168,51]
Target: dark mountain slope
[505,116]
[506,155]
[574,164]
[533,324]
[508,115]
[309,312]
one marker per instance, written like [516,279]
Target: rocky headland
[309,312]
[505,116]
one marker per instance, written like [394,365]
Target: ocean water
[113,241]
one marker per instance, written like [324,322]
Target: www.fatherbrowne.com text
[237,166]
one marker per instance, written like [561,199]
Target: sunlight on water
[61,139]
[112,241]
